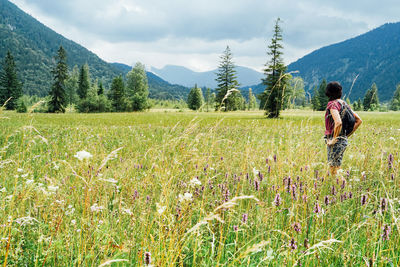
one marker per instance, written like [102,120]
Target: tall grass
[209,189]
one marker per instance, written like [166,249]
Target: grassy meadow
[168,188]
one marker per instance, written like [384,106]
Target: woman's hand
[331,142]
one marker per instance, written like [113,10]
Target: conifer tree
[10,86]
[395,103]
[208,99]
[315,100]
[195,98]
[371,100]
[101,88]
[84,81]
[117,94]
[58,99]
[137,87]
[322,98]
[227,92]
[271,100]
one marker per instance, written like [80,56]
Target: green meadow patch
[169,188]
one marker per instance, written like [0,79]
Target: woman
[335,139]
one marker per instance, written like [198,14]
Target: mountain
[184,76]
[158,88]
[373,56]
[34,46]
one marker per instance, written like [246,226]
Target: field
[170,188]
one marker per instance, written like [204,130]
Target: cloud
[194,33]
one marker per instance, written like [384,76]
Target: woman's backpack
[348,119]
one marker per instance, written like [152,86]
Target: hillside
[34,46]
[186,77]
[374,56]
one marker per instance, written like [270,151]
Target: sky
[194,34]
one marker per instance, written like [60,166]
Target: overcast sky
[195,33]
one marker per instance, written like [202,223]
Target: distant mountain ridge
[34,46]
[186,77]
[373,56]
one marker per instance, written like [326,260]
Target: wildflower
[350,195]
[2,190]
[327,200]
[20,170]
[343,184]
[292,244]
[333,191]
[127,211]
[52,188]
[277,200]
[317,208]
[160,209]
[96,208]
[297,227]
[364,199]
[294,195]
[235,228]
[244,218]
[275,158]
[147,258]
[390,161]
[256,184]
[73,222]
[185,197]
[81,155]
[383,204]
[386,232]
[194,182]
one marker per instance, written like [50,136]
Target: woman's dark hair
[333,91]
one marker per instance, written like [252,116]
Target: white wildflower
[392,138]
[81,155]
[73,222]
[96,208]
[20,170]
[25,175]
[127,211]
[52,188]
[26,220]
[194,182]
[160,209]
[255,172]
[185,197]
[2,190]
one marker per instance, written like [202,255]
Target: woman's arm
[338,126]
[357,124]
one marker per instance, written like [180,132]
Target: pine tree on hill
[84,82]
[10,86]
[58,99]
[271,100]
[227,90]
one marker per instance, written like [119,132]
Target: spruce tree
[371,100]
[315,100]
[137,87]
[10,86]
[117,94]
[84,81]
[227,91]
[195,98]
[395,102]
[101,88]
[271,100]
[322,98]
[58,99]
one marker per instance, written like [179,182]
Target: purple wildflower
[383,204]
[275,158]
[343,184]
[292,244]
[317,208]
[235,228]
[333,190]
[390,161]
[327,200]
[256,185]
[297,227]
[294,195]
[386,232]
[244,218]
[364,199]
[277,200]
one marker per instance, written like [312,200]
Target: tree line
[130,93]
